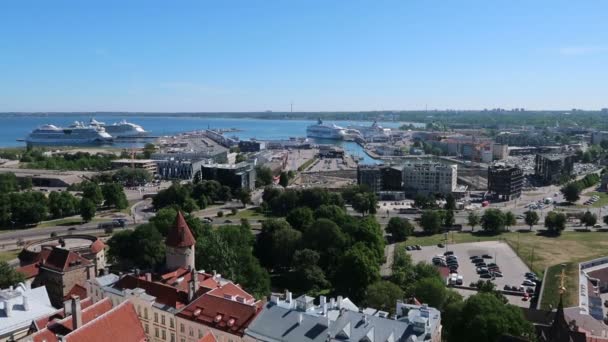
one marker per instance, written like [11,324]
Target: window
[171,322]
[183,340]
[147,329]
[145,313]
[156,331]
[172,337]
[181,328]
[164,334]
[200,334]
[162,319]
[190,331]
[156,317]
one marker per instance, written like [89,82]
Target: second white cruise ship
[325,131]
[121,129]
[73,135]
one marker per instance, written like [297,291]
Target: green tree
[114,196]
[284,179]
[277,243]
[149,148]
[399,228]
[431,221]
[448,218]
[308,276]
[87,209]
[555,222]
[9,276]
[589,219]
[244,196]
[474,220]
[510,219]
[493,221]
[300,218]
[531,218]
[92,191]
[356,270]
[571,192]
[143,248]
[485,318]
[431,291]
[8,183]
[450,202]
[190,205]
[131,177]
[263,176]
[383,295]
[240,158]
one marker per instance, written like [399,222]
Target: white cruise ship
[121,129]
[325,131]
[73,135]
[373,133]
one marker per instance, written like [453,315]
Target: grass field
[248,214]
[540,252]
[8,255]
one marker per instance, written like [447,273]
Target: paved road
[389,254]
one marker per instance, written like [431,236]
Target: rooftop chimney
[192,285]
[288,296]
[148,276]
[26,304]
[76,313]
[340,302]
[8,308]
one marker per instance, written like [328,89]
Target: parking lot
[511,266]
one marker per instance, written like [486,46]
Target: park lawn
[540,252]
[8,255]
[248,214]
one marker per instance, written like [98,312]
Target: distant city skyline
[252,56]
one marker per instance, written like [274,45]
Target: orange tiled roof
[233,291]
[120,324]
[29,271]
[208,338]
[205,280]
[164,294]
[97,246]
[64,326]
[77,290]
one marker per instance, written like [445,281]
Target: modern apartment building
[505,181]
[430,178]
[552,168]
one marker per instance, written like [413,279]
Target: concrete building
[50,178]
[145,164]
[370,176]
[339,319]
[250,146]
[552,168]
[598,137]
[430,178]
[178,169]
[20,306]
[500,151]
[236,176]
[505,182]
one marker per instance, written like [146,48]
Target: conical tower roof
[180,234]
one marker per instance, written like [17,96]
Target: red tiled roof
[97,246]
[205,280]
[62,260]
[42,322]
[180,235]
[208,338]
[117,325]
[221,314]
[64,326]
[232,290]
[29,271]
[77,290]
[164,294]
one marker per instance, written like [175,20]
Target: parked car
[408,248]
[448,253]
[472,257]
[486,256]
[485,275]
[529,290]
[418,247]
[440,245]
[497,274]
[528,282]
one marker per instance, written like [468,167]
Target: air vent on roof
[218,318]
[197,312]
[240,299]
[231,322]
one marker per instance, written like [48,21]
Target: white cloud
[582,50]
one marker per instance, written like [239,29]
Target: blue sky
[323,55]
